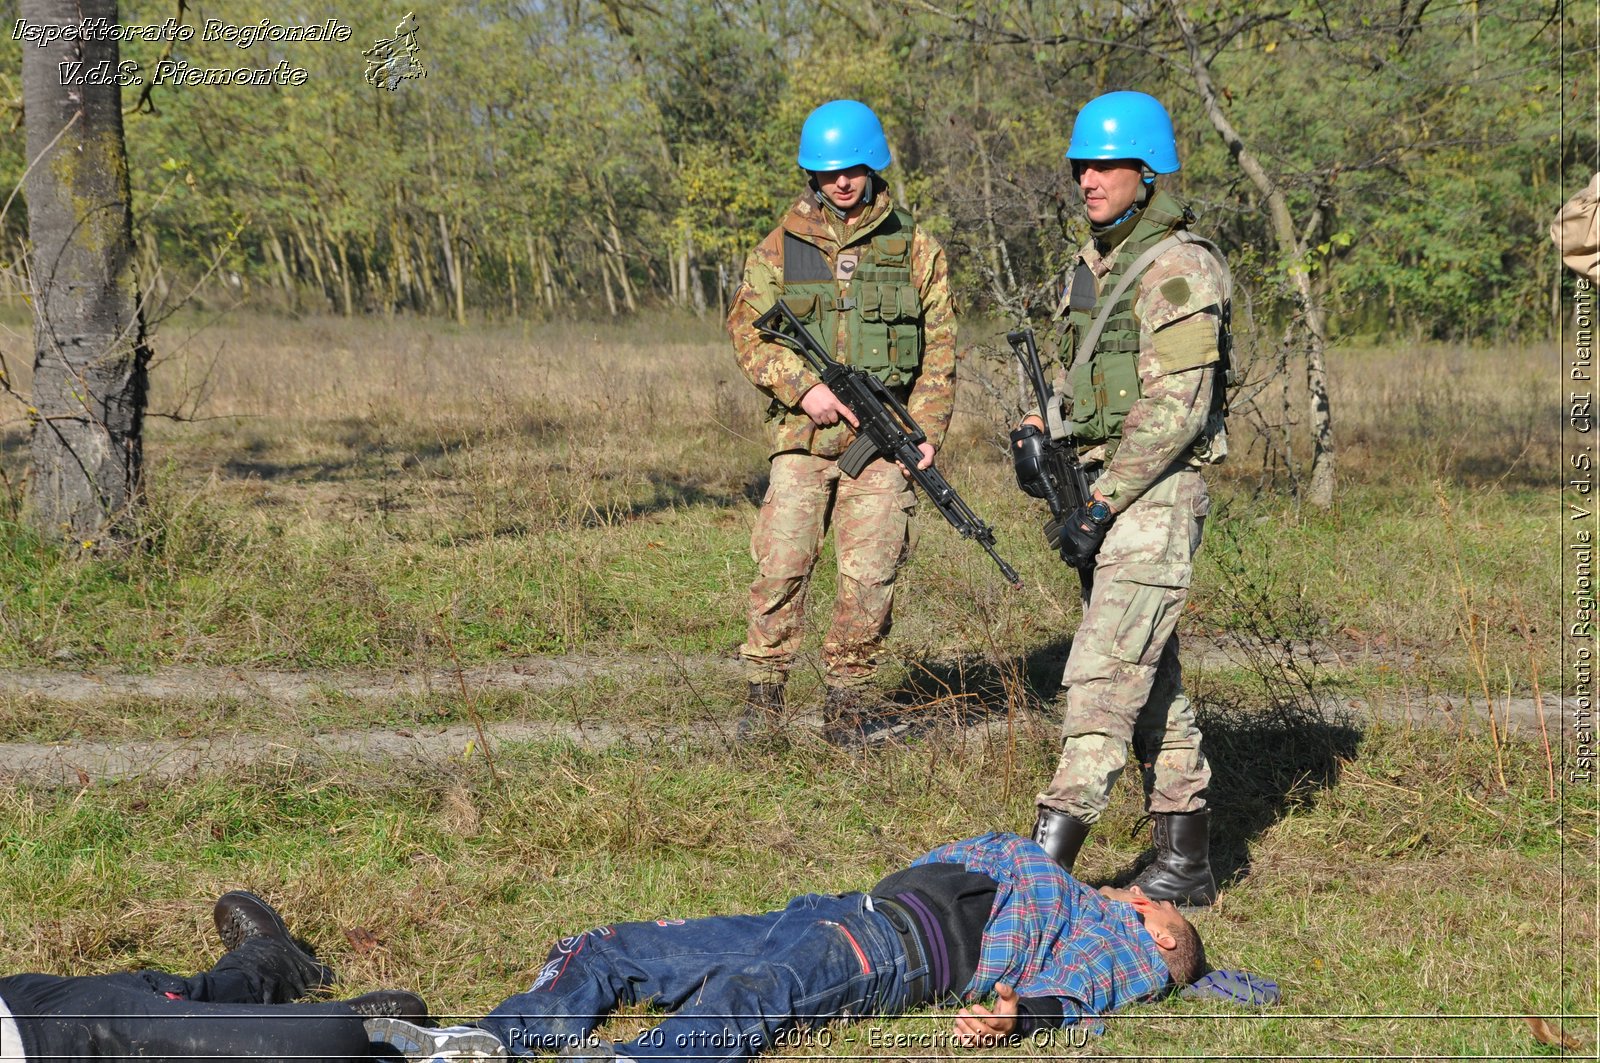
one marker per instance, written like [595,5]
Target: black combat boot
[1060,834]
[763,711]
[390,1003]
[844,718]
[249,925]
[1182,869]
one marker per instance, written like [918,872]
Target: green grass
[1407,882]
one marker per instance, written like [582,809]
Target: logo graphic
[547,975]
[394,59]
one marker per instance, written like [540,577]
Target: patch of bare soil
[86,761]
[531,674]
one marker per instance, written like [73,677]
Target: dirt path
[251,685]
[86,761]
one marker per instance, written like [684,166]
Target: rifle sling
[1142,263]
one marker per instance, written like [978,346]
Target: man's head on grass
[1174,935]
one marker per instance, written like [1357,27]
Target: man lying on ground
[989,916]
[237,1010]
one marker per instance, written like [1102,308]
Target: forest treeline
[593,157]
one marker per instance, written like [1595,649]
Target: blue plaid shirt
[1050,935]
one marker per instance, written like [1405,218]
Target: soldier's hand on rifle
[1027,459]
[1082,531]
[824,408]
[927,459]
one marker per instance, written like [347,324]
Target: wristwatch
[1099,511]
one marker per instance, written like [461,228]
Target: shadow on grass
[971,690]
[357,450]
[1264,762]
[1265,758]
[667,492]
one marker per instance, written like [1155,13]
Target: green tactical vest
[884,326]
[1105,385]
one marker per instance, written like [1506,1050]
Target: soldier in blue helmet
[874,289]
[1145,361]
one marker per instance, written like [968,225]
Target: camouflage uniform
[1122,681]
[870,515]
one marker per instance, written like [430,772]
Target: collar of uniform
[1112,235]
[809,221]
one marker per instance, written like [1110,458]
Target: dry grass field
[362,490]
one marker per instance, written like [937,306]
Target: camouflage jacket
[783,376]
[1177,305]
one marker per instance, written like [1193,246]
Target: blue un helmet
[1125,125]
[841,134]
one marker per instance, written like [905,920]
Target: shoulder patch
[1182,282]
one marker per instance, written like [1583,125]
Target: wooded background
[594,157]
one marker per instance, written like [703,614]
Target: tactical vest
[884,310]
[1105,385]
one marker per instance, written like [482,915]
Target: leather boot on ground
[763,711]
[1182,869]
[844,712]
[241,916]
[390,1003]
[1061,835]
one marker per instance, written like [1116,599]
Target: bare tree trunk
[1319,492]
[90,370]
[155,289]
[605,279]
[453,271]
[698,294]
[425,274]
[325,254]
[404,284]
[547,280]
[620,265]
[511,276]
[283,267]
[1293,249]
[344,275]
[680,282]
[613,244]
[397,277]
[312,257]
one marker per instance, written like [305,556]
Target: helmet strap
[822,198]
[828,204]
[1141,199]
[1117,229]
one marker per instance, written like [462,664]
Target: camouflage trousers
[1123,682]
[870,516]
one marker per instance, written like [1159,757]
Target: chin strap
[828,204]
[1141,199]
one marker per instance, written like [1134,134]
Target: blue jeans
[734,983]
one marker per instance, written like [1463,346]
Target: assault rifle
[1064,484]
[886,427]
